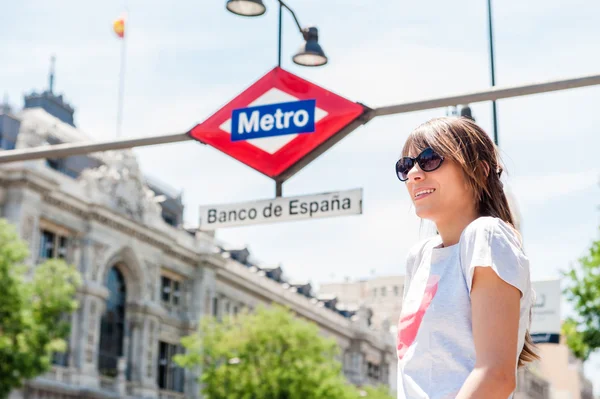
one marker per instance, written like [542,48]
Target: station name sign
[341,203]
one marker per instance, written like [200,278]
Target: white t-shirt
[436,351]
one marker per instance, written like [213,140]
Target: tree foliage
[32,311]
[380,392]
[267,354]
[583,331]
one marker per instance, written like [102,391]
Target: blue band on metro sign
[273,120]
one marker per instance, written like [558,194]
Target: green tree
[32,311]
[267,354]
[380,392]
[583,331]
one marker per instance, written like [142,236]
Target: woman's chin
[425,212]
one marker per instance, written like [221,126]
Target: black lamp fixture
[246,8]
[310,54]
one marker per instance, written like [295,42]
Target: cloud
[535,190]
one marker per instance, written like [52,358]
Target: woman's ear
[486,168]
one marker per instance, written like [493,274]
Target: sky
[186,59]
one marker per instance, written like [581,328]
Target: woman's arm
[495,308]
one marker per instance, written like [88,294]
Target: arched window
[112,327]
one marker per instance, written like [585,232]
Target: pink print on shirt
[409,324]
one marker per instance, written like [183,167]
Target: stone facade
[147,283]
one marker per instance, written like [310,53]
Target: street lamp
[309,54]
[246,8]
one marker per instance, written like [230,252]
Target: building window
[170,375]
[170,291]
[53,245]
[373,371]
[374,292]
[112,325]
[61,358]
[396,290]
[215,307]
[7,144]
[383,291]
[235,310]
[169,218]
[59,165]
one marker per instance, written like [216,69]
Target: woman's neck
[451,229]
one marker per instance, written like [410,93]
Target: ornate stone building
[147,281]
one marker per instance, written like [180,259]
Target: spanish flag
[119,26]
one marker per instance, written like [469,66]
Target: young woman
[464,325]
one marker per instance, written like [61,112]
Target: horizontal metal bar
[494,93]
[70,149]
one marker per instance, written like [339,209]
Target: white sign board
[545,321]
[283,209]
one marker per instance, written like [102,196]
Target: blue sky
[187,58]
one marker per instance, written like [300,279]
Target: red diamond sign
[277,122]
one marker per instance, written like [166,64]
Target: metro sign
[277,122]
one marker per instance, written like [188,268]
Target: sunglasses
[428,161]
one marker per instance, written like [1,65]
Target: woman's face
[439,195]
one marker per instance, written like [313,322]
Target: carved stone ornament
[31,135]
[151,280]
[92,322]
[120,183]
[149,346]
[27,228]
[100,251]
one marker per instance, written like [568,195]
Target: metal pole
[281,3]
[122,78]
[278,188]
[70,149]
[280,26]
[489,95]
[492,68]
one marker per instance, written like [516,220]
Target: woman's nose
[415,173]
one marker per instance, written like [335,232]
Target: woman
[463,330]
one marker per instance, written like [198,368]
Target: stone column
[150,355]
[202,291]
[22,208]
[92,302]
[144,323]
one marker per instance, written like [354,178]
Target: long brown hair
[461,140]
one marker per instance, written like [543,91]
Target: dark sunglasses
[428,161]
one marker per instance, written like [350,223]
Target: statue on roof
[121,182]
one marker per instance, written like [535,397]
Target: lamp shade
[310,53]
[246,8]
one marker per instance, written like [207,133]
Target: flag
[119,27]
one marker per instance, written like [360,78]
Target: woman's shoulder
[493,231]
[491,226]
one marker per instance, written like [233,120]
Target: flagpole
[122,80]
